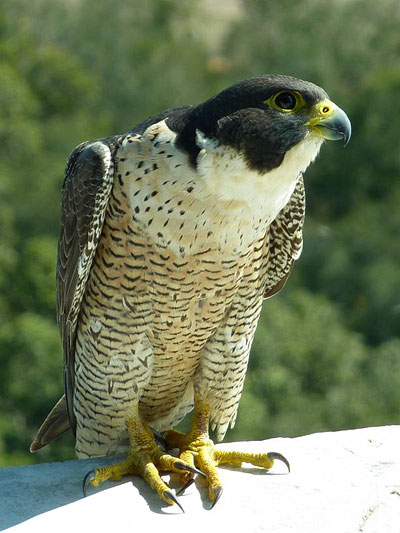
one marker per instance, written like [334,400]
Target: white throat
[262,196]
[222,205]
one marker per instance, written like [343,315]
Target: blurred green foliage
[327,350]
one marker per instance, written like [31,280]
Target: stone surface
[342,482]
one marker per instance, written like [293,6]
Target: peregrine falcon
[172,235]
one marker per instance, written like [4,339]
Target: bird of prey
[172,235]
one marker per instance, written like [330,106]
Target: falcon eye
[286,101]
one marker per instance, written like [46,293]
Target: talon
[187,467]
[168,494]
[159,438]
[86,481]
[189,482]
[279,457]
[217,494]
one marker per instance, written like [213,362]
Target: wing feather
[86,190]
[285,240]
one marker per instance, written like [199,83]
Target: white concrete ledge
[342,482]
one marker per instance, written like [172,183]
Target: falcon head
[263,118]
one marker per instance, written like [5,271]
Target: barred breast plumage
[173,296]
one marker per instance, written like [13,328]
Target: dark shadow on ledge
[51,485]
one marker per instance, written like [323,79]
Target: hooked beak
[330,122]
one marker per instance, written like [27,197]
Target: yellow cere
[322,110]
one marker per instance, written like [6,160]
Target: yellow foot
[197,450]
[145,459]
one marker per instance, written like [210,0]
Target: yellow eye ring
[286,101]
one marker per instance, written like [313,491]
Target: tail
[55,424]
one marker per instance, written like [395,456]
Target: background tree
[326,353]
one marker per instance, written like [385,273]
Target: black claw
[168,494]
[159,438]
[217,496]
[280,457]
[188,468]
[185,486]
[86,481]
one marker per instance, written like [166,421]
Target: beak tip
[346,138]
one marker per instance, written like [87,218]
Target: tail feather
[55,424]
